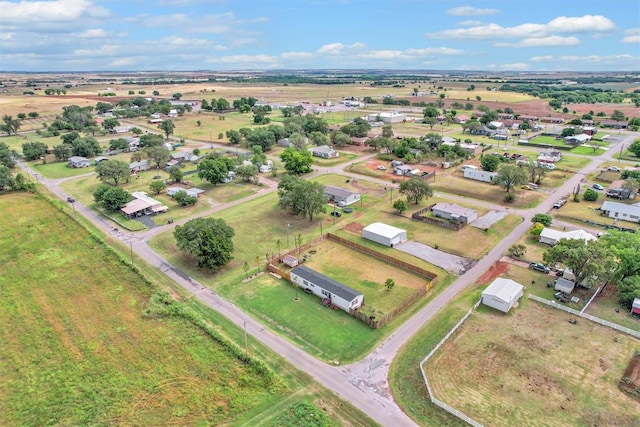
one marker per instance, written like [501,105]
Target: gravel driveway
[487,220]
[452,263]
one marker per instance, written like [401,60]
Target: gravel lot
[454,264]
[487,220]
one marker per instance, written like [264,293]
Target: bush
[590,195]
[509,198]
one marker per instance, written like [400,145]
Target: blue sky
[184,35]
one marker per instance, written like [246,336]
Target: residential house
[621,211]
[340,196]
[564,285]
[556,120]
[121,129]
[325,152]
[134,143]
[495,125]
[142,165]
[479,175]
[193,192]
[550,156]
[614,124]
[142,205]
[589,130]
[387,117]
[471,148]
[154,121]
[98,160]
[461,119]
[501,134]
[78,162]
[502,294]
[406,170]
[384,234]
[483,131]
[454,212]
[577,139]
[550,236]
[324,287]
[617,190]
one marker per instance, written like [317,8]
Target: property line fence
[595,319]
[373,322]
[435,400]
[418,216]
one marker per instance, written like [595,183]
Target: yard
[532,364]
[120,367]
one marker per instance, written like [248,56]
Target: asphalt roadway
[364,384]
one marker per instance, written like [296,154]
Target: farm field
[84,352]
[533,365]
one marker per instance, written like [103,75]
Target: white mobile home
[384,234]
[479,175]
[550,236]
[502,294]
[340,196]
[320,285]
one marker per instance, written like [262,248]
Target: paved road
[364,384]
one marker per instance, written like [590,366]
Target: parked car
[336,213]
[613,169]
[347,210]
[598,187]
[382,168]
[561,297]
[539,267]
[560,203]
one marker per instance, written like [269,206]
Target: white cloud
[48,11]
[471,11]
[183,41]
[339,48]
[93,34]
[434,51]
[470,23]
[551,41]
[104,50]
[632,35]
[296,55]
[581,24]
[591,59]
[381,54]
[6,36]
[518,66]
[244,59]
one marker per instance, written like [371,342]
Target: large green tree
[158,155]
[111,198]
[416,189]
[490,162]
[6,179]
[113,172]
[593,259]
[210,240]
[167,126]
[62,152]
[510,176]
[297,162]
[301,197]
[626,248]
[6,156]
[34,150]
[10,125]
[215,170]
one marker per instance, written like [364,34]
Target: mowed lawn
[533,365]
[77,349]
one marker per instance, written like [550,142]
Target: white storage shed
[502,294]
[384,234]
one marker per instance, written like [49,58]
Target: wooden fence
[374,322]
[418,216]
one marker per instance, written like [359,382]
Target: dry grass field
[533,367]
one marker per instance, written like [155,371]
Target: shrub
[509,198]
[590,195]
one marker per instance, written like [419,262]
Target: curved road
[364,383]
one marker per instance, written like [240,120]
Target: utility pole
[131,251]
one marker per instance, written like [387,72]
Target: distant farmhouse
[324,151]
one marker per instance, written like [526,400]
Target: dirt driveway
[487,220]
[454,264]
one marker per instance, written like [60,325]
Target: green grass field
[77,348]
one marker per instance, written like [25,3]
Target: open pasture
[533,365]
[78,349]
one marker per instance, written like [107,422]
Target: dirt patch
[454,264]
[630,382]
[354,227]
[497,269]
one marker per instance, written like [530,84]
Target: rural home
[589,130]
[121,129]
[635,307]
[384,234]
[495,125]
[100,159]
[502,294]
[479,175]
[325,152]
[556,120]
[577,139]
[621,211]
[193,192]
[134,143]
[481,131]
[340,196]
[461,119]
[387,117]
[454,212]
[142,205]
[324,287]
[617,190]
[614,124]
[406,170]
[550,236]
[154,121]
[551,156]
[142,165]
[564,285]
[78,162]
[284,142]
[473,149]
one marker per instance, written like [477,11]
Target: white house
[479,175]
[193,192]
[550,236]
[320,285]
[384,234]
[340,196]
[454,212]
[387,117]
[621,211]
[564,285]
[142,165]
[502,294]
[78,162]
[142,205]
[577,139]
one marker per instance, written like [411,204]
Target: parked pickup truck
[560,203]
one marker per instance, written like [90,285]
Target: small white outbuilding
[502,294]
[384,234]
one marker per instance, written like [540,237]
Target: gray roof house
[78,162]
[320,285]
[454,212]
[621,211]
[341,196]
[325,152]
[142,165]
